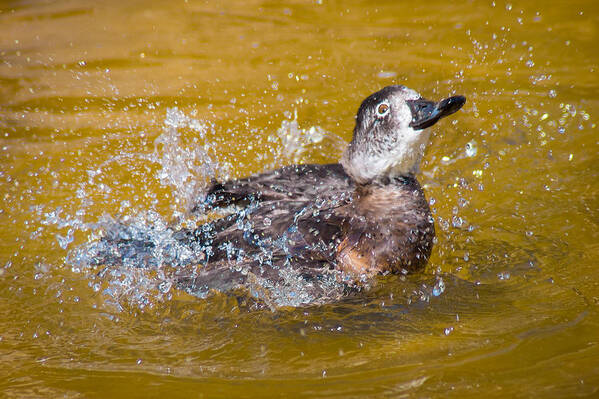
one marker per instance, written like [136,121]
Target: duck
[312,228]
[312,233]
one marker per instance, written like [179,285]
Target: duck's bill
[426,113]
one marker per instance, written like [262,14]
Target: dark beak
[426,113]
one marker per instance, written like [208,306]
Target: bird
[312,233]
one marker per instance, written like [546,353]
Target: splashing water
[296,141]
[186,170]
[141,243]
[139,257]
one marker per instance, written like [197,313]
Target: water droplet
[503,276]
[165,286]
[471,148]
[439,287]
[386,74]
[457,221]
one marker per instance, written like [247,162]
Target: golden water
[84,91]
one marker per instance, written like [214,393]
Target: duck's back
[289,211]
[290,183]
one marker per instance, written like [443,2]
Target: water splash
[140,255]
[296,141]
[185,169]
[146,237]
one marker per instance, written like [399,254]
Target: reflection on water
[114,118]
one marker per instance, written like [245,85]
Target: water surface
[122,111]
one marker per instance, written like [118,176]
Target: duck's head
[390,134]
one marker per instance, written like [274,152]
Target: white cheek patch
[403,113]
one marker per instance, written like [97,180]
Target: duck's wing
[282,254]
[290,183]
[280,249]
[279,213]
[273,229]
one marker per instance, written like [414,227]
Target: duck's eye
[382,109]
